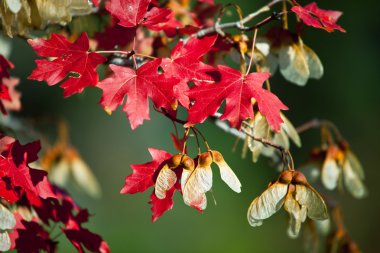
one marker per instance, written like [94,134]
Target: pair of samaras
[298,197]
[64,163]
[196,178]
[7,221]
[196,182]
[342,166]
[296,61]
[259,128]
[167,178]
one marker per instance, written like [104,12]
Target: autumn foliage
[182,58]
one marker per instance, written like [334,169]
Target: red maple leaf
[5,64]
[238,91]
[160,206]
[16,173]
[185,64]
[71,59]
[142,177]
[64,210]
[30,236]
[311,15]
[138,85]
[115,35]
[185,61]
[132,13]
[81,237]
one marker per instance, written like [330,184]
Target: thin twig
[265,142]
[317,123]
[240,24]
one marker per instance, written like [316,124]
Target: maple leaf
[311,15]
[16,173]
[80,237]
[238,91]
[184,64]
[139,85]
[5,64]
[64,210]
[71,59]
[184,60]
[145,175]
[6,191]
[132,13]
[115,35]
[142,177]
[30,236]
[160,206]
[5,96]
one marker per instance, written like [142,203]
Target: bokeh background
[348,94]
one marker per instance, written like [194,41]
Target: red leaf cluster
[17,179]
[37,203]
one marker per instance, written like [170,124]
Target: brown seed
[286,177]
[299,178]
[175,161]
[187,163]
[217,156]
[205,159]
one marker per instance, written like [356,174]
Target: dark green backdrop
[348,94]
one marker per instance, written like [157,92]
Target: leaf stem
[252,51]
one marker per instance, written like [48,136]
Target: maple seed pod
[299,178]
[217,156]
[291,189]
[175,161]
[205,159]
[286,177]
[187,163]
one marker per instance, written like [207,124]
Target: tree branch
[317,123]
[218,28]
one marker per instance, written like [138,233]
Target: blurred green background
[347,94]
